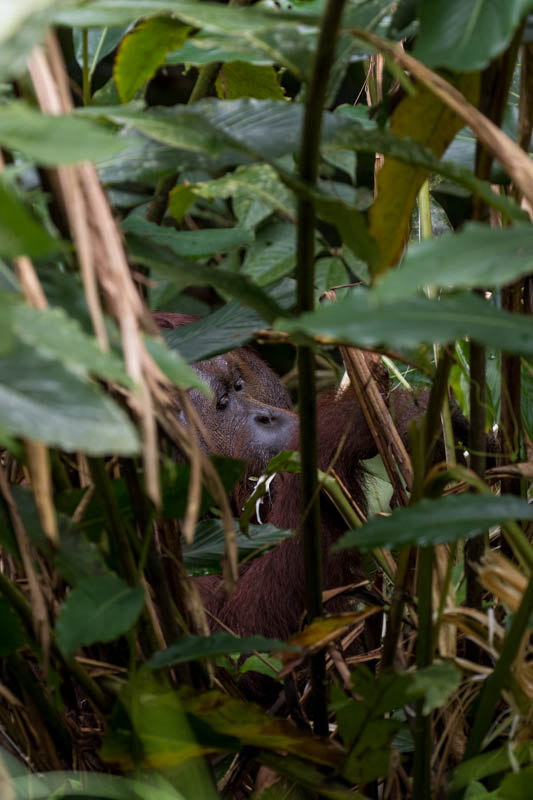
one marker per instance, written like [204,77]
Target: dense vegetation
[235,163]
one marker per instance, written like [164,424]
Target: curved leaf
[432,522]
[51,140]
[42,399]
[360,319]
[476,256]
[218,644]
[97,610]
[466,34]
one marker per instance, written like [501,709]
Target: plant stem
[474,547]
[116,526]
[424,648]
[86,77]
[309,160]
[206,76]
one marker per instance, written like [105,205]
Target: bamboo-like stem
[473,549]
[206,76]
[309,160]
[85,71]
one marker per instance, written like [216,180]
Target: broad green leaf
[173,366]
[330,272]
[517,785]
[56,335]
[42,399]
[13,633]
[143,50]
[349,221]
[189,244]
[466,34]
[210,16]
[258,128]
[405,150]
[204,48]
[358,319]
[255,183]
[161,259]
[368,758]
[100,42]
[97,610]
[219,643]
[272,255]
[490,763]
[238,79]
[51,140]
[82,784]
[477,256]
[435,684]
[77,558]
[226,328]
[207,550]
[20,233]
[432,522]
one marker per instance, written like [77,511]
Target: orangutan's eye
[238,385]
[222,402]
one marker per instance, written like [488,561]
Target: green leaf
[258,128]
[330,272]
[51,140]
[161,259]
[360,138]
[77,557]
[435,684]
[143,50]
[180,200]
[230,326]
[192,244]
[100,42]
[174,366]
[490,763]
[517,785]
[219,643]
[273,254]
[20,233]
[97,610]
[359,319]
[432,522]
[56,335]
[477,256]
[258,184]
[466,34]
[13,633]
[239,79]
[207,550]
[42,399]
[176,479]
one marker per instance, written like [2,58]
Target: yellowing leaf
[240,79]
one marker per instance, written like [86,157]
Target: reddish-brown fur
[269,598]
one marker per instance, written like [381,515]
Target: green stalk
[473,549]
[309,161]
[206,76]
[424,652]
[116,526]
[85,74]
